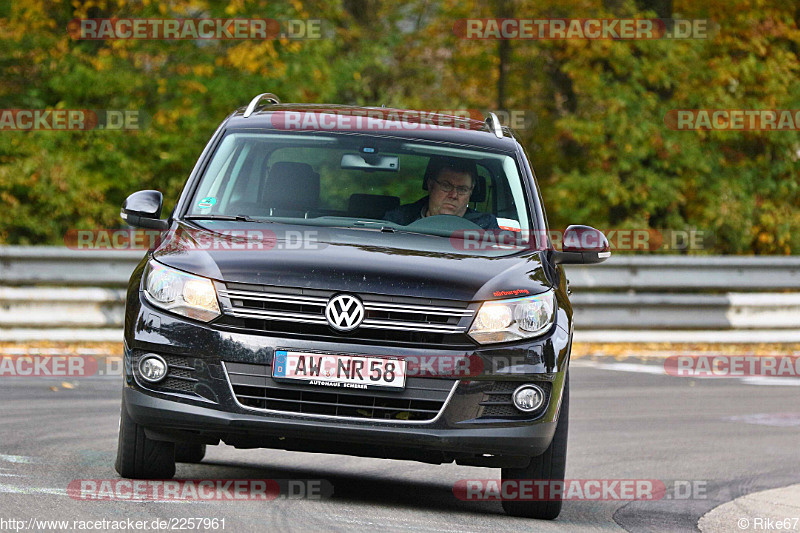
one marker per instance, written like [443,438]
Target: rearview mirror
[582,245]
[386,163]
[142,209]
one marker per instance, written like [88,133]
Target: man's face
[449,203]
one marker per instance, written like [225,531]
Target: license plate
[339,371]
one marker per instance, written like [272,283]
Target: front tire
[139,457]
[551,465]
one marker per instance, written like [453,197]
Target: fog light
[528,398]
[152,368]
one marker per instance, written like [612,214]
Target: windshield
[362,182]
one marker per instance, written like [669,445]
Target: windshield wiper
[238,218]
[385,228]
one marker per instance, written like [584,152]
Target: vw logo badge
[344,312]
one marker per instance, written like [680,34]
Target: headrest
[291,186]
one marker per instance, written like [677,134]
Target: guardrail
[676,273]
[62,294]
[48,265]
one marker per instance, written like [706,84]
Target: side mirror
[143,210]
[582,245]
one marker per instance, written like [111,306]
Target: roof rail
[494,125]
[269,97]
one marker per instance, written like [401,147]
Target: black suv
[363,281]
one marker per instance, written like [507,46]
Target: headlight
[510,320]
[181,293]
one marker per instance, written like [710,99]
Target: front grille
[497,402]
[180,376]
[421,400]
[393,320]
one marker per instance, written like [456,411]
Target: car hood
[348,260]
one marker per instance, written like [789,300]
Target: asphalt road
[727,436]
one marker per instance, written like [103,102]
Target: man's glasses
[448,188]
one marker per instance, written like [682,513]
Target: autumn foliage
[595,110]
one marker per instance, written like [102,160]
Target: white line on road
[768,419]
[767,380]
[623,367]
[14,489]
[19,459]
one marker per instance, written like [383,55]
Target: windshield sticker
[208,201]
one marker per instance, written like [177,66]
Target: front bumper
[211,413]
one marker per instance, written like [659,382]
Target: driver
[450,182]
